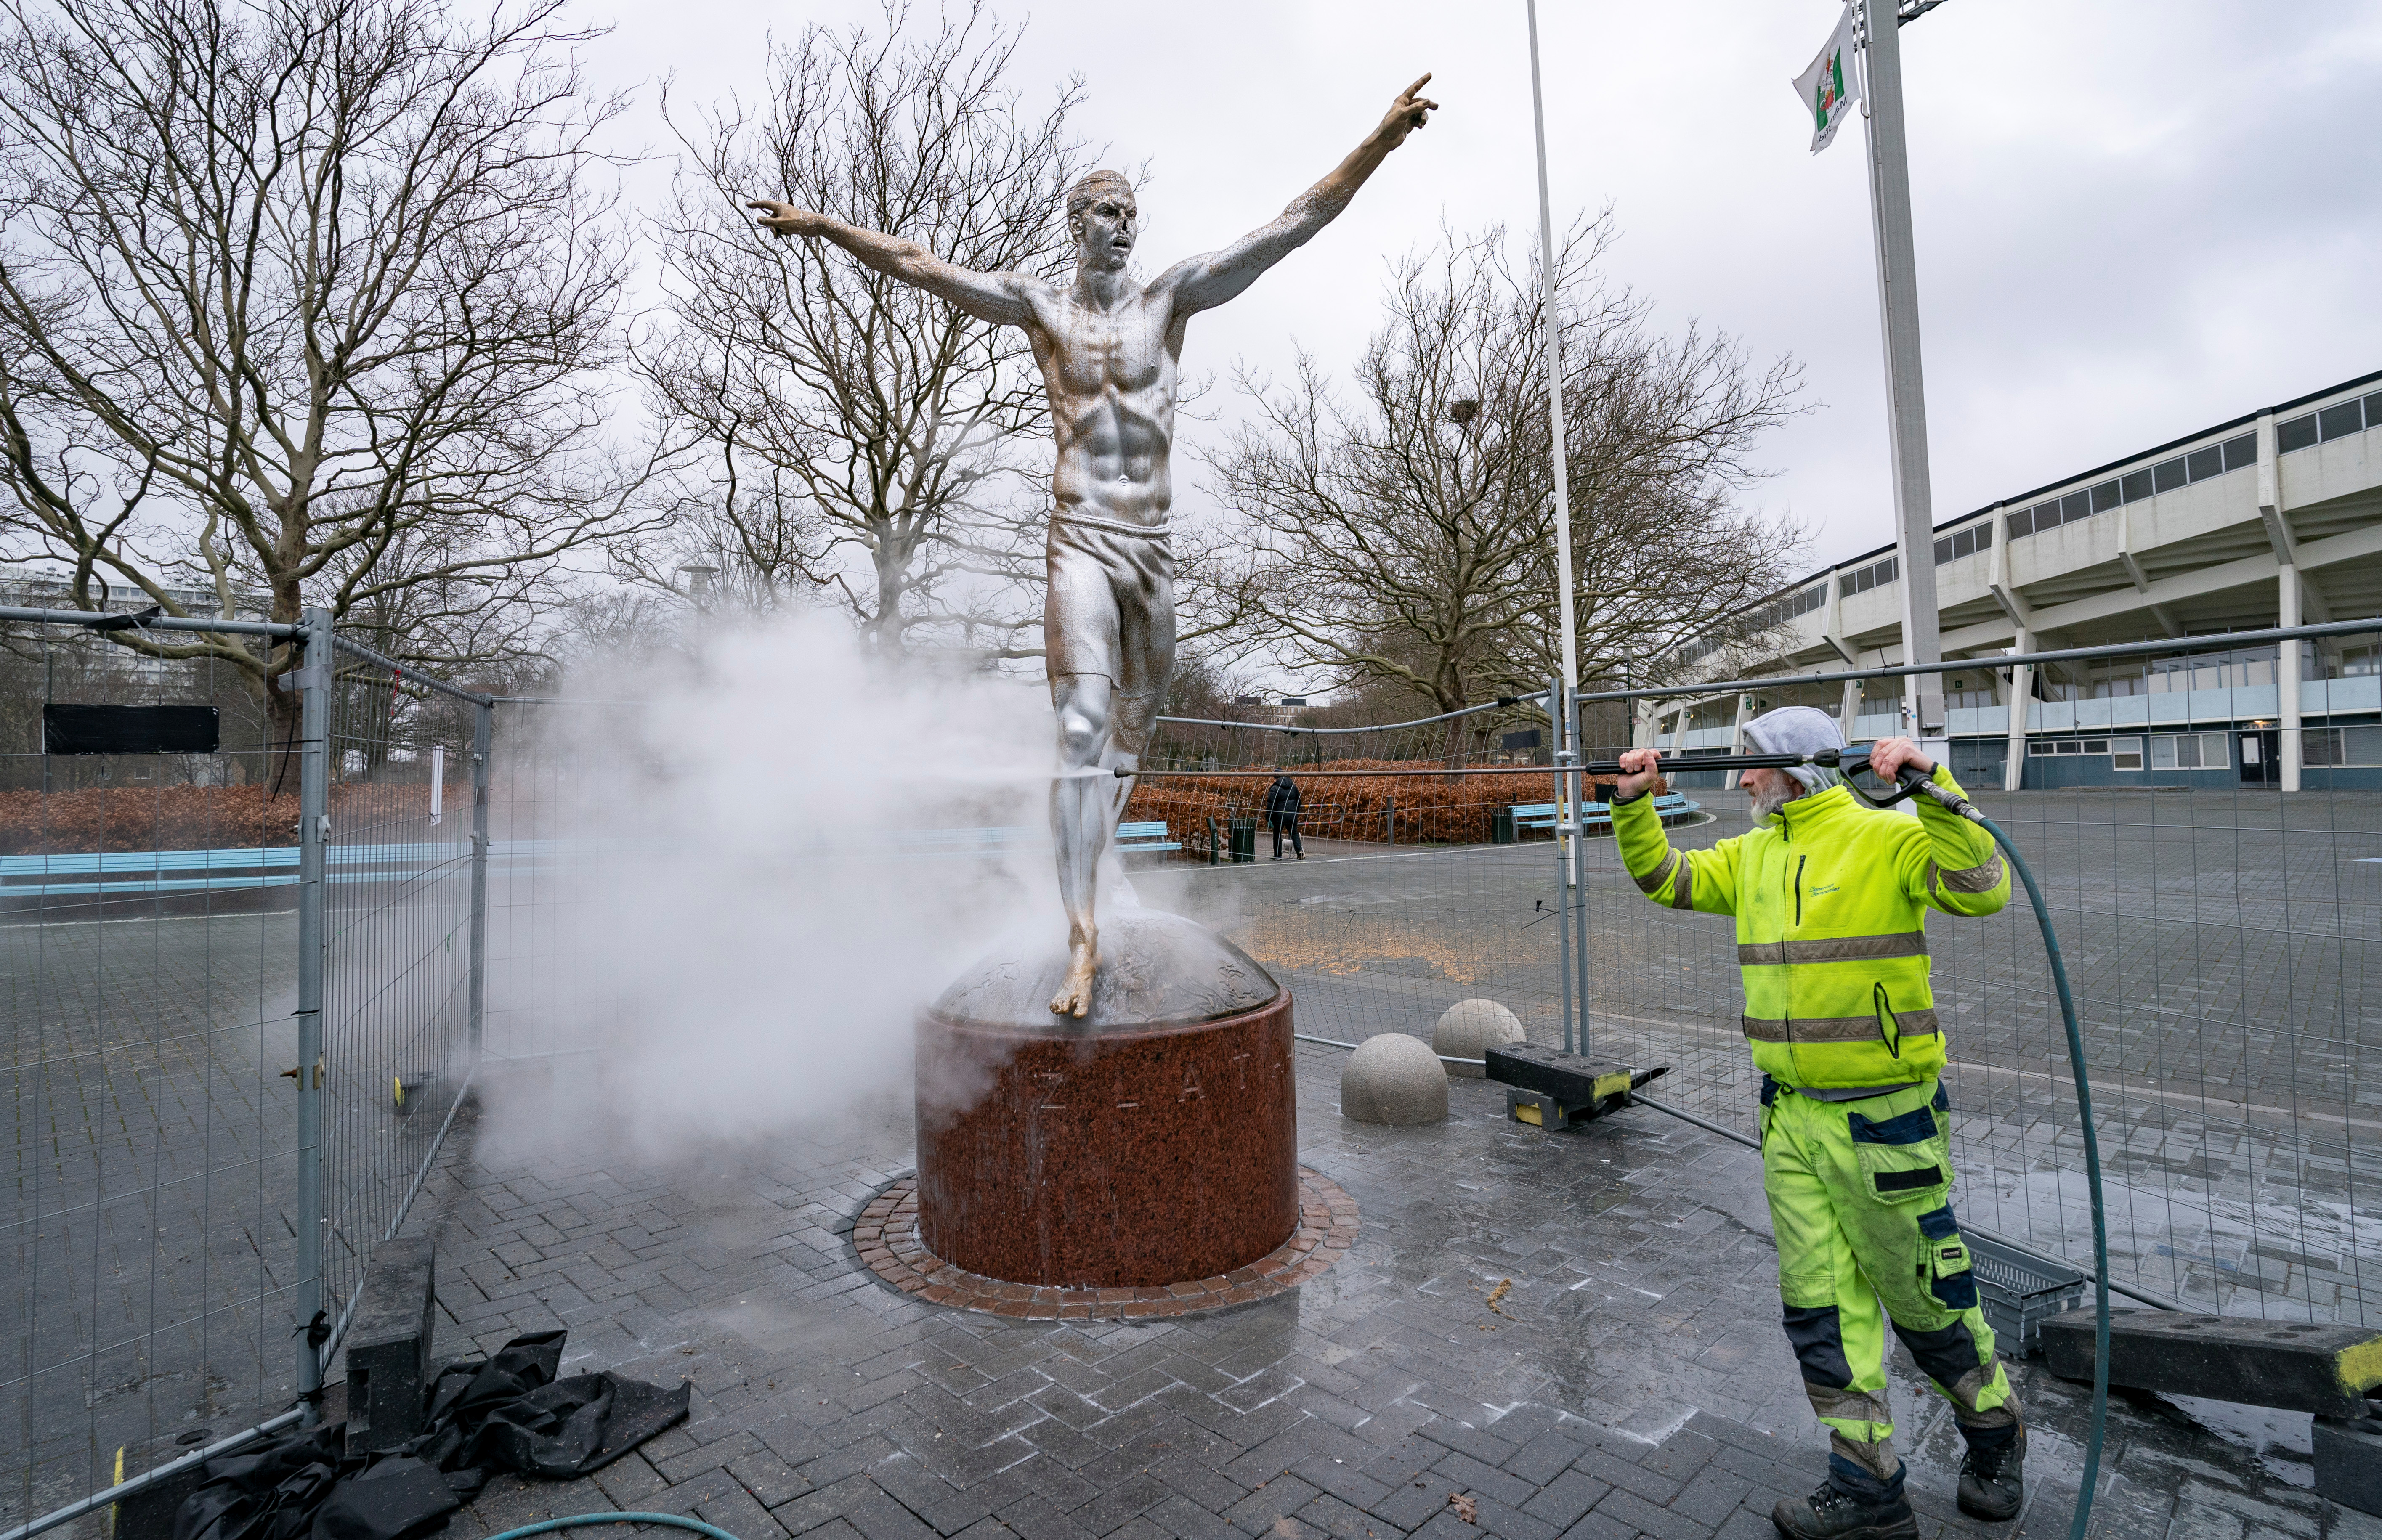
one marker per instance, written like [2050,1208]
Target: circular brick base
[886,1235]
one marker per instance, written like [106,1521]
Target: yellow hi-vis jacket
[1831,899]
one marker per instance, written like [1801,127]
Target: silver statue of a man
[1110,351]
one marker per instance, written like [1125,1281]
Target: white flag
[1826,89]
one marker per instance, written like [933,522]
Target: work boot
[1993,1481]
[1832,1513]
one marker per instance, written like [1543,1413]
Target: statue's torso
[1111,379]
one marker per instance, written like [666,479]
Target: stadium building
[2274,517]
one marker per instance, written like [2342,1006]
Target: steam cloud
[726,914]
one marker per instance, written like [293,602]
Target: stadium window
[1964,543]
[2340,422]
[2214,459]
[2297,434]
[2125,753]
[2190,752]
[2373,409]
[1968,694]
[1875,575]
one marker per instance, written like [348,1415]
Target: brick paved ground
[1630,1383]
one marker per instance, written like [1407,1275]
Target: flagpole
[1898,300]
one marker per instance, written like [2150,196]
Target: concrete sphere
[1469,1029]
[1394,1079]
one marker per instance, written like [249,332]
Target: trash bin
[1245,841]
[1501,826]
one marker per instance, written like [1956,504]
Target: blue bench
[927,844]
[1670,807]
[1139,838]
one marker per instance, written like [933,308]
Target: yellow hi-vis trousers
[1860,1194]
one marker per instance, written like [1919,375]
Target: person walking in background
[1831,902]
[1282,815]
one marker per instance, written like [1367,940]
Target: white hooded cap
[1798,730]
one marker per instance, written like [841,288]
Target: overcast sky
[2134,218]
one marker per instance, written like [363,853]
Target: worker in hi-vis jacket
[1831,899]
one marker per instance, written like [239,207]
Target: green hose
[676,1520]
[1966,809]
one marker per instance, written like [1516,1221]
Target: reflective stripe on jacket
[1831,899]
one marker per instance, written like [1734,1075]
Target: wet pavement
[1631,1381]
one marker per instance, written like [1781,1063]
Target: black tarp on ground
[506,1412]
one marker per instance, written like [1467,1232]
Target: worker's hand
[1888,755]
[1637,773]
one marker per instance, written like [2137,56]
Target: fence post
[1563,887]
[1390,823]
[484,718]
[314,681]
[1578,746]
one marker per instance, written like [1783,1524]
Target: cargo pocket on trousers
[1949,1276]
[1944,1262]
[1904,1160]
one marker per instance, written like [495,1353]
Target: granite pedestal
[1153,1142]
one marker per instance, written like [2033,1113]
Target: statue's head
[1102,217]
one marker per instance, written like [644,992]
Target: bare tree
[864,437]
[1408,542]
[314,296]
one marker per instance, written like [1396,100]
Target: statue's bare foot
[1074,996]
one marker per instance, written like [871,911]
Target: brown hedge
[196,817]
[1430,809]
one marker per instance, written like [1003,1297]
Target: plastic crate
[2018,1291]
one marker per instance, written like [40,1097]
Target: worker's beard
[1774,796]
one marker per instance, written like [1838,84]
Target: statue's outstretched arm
[1004,298]
[1204,282]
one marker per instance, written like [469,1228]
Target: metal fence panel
[398,892]
[147,940]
